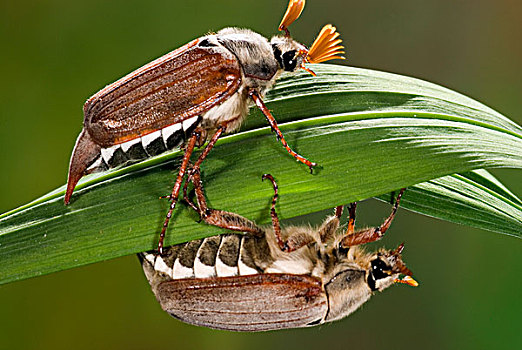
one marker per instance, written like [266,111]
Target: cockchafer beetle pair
[202,89]
[272,278]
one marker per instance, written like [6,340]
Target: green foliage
[370,132]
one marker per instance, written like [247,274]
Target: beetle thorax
[259,70]
[254,54]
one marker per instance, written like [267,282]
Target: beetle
[201,90]
[272,278]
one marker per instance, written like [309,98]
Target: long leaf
[475,199]
[371,133]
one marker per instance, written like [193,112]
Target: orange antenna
[326,46]
[407,280]
[295,7]
[399,249]
[400,265]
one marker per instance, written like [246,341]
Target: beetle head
[291,55]
[385,268]
[352,287]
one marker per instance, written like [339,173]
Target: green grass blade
[475,199]
[370,132]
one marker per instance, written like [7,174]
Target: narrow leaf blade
[370,132]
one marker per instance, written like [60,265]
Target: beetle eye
[378,268]
[342,251]
[289,60]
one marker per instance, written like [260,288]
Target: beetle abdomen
[217,256]
[219,282]
[150,145]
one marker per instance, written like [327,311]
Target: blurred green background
[55,54]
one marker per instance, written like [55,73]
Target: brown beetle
[203,89]
[271,278]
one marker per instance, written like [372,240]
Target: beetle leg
[295,241]
[392,197]
[330,225]
[204,154]
[201,158]
[177,185]
[220,218]
[351,219]
[254,95]
[370,234]
[275,220]
[185,187]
